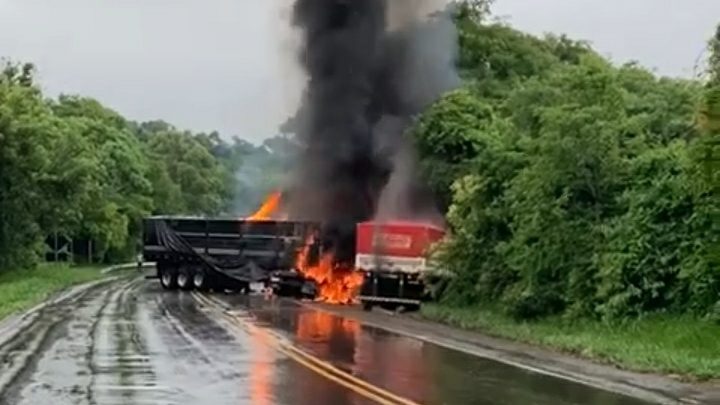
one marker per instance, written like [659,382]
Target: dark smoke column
[364,83]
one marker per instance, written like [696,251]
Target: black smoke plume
[372,65]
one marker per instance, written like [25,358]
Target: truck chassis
[225,254]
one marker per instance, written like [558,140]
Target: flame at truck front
[336,283]
[388,263]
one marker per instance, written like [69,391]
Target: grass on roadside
[23,289]
[682,346]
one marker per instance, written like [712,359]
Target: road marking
[346,383]
[311,362]
[352,378]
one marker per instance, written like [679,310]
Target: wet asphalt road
[131,343]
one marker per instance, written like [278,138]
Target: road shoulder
[14,324]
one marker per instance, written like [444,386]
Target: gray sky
[664,35]
[225,64]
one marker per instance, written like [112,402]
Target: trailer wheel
[200,280]
[168,278]
[367,306]
[185,278]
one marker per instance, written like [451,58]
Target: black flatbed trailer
[226,254]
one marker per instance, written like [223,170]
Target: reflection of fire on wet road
[261,378]
[314,332]
[328,337]
[319,329]
[313,385]
[394,363]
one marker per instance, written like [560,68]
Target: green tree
[574,184]
[447,138]
[706,158]
[122,194]
[73,166]
[198,176]
[41,187]
[23,150]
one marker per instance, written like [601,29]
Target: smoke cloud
[372,66]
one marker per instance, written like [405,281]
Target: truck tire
[168,277]
[367,306]
[200,280]
[185,278]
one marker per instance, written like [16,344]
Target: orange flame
[336,284]
[268,208]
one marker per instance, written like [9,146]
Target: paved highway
[129,342]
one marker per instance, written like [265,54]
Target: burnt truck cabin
[393,257]
[223,254]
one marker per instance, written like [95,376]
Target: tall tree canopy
[571,186]
[71,165]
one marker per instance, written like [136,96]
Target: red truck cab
[394,258]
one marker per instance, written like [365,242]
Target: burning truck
[353,221]
[293,258]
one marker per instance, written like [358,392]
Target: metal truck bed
[221,253]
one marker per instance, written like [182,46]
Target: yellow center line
[311,362]
[346,383]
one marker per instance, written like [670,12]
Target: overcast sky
[224,64]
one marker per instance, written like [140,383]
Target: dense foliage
[574,187]
[72,166]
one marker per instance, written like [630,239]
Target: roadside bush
[586,189]
[655,257]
